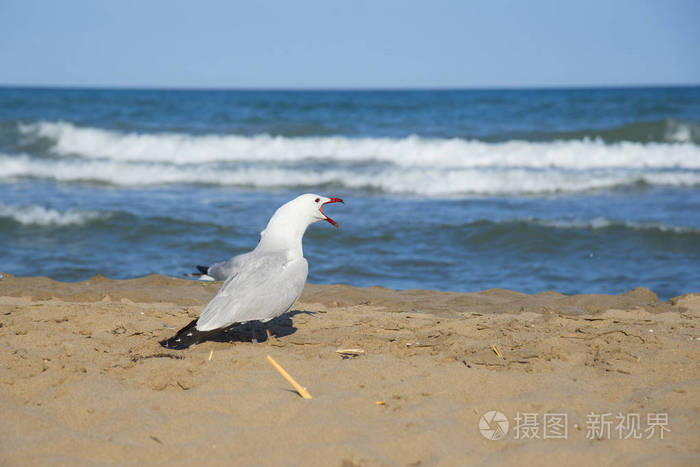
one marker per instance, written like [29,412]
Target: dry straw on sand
[301,390]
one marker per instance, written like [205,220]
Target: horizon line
[346,89]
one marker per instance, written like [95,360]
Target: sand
[83,379]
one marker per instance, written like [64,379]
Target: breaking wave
[412,165]
[418,181]
[33,214]
[182,148]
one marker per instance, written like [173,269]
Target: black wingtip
[173,344]
[185,337]
[203,269]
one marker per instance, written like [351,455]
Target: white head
[287,226]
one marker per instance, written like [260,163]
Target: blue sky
[349,44]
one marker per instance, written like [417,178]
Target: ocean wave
[67,139]
[436,182]
[518,224]
[600,223]
[659,131]
[32,214]
[681,132]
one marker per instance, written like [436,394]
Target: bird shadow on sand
[255,330]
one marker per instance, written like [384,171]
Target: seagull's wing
[225,269]
[264,287]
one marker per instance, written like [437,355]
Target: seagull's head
[287,226]
[312,205]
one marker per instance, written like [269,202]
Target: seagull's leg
[254,332]
[269,335]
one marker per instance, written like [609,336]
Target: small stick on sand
[301,390]
[211,354]
[498,352]
[353,352]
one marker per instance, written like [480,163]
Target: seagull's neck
[283,234]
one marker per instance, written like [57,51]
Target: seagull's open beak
[332,200]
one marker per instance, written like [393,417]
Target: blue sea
[574,190]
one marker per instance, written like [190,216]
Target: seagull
[265,282]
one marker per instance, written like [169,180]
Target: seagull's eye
[317,200]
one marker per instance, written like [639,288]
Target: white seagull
[265,282]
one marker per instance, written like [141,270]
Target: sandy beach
[85,381]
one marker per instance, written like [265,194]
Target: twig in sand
[211,354]
[301,390]
[498,352]
[350,352]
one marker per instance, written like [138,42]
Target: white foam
[413,165]
[440,182]
[32,214]
[183,149]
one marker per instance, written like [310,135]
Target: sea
[572,190]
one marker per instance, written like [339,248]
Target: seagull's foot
[271,339]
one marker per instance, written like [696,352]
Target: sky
[349,44]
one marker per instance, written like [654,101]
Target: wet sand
[84,380]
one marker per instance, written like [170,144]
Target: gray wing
[225,269]
[265,287]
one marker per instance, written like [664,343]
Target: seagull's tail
[186,337]
[201,275]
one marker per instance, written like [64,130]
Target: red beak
[333,200]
